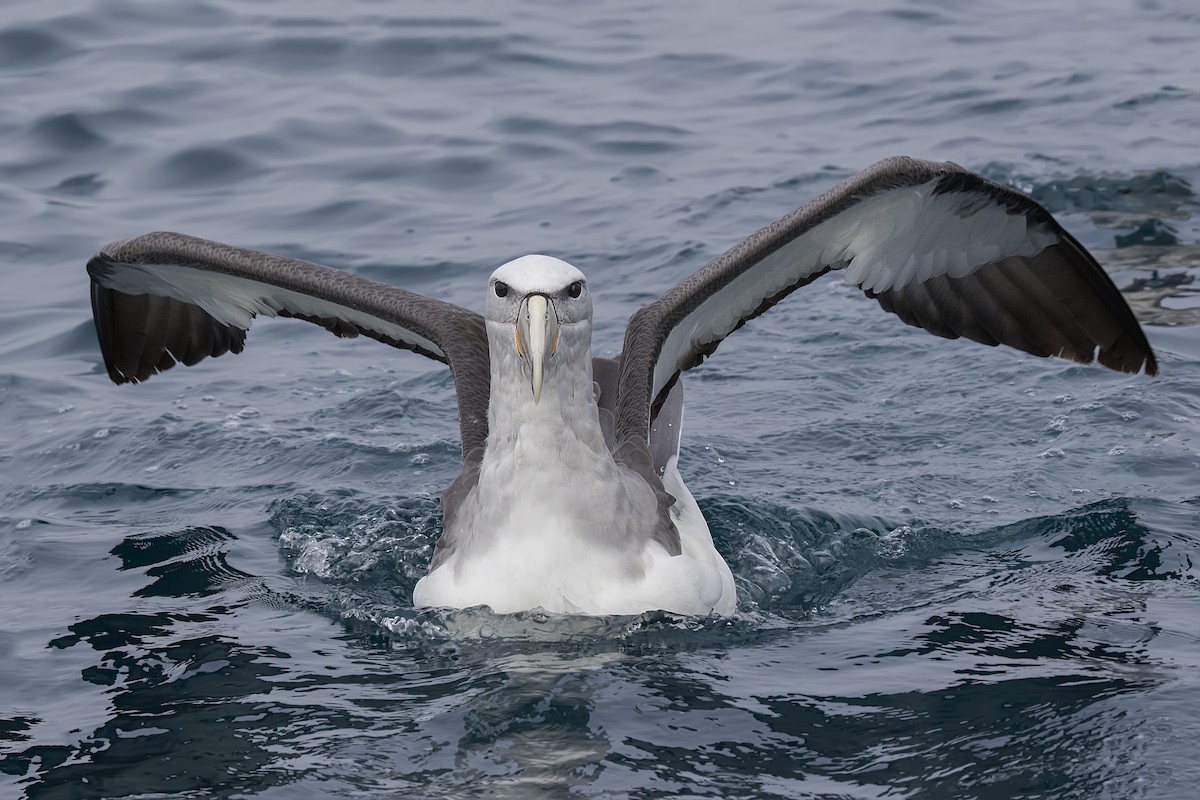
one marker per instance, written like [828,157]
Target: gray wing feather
[941,247]
[164,298]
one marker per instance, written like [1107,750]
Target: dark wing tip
[1058,301]
[1128,356]
[141,335]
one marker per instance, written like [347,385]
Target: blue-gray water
[964,572]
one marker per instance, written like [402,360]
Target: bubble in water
[895,543]
[342,541]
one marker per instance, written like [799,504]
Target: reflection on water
[187,714]
[1038,737]
[964,699]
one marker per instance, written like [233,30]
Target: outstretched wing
[164,298]
[939,246]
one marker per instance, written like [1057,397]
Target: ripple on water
[30,48]
[70,131]
[189,562]
[1158,192]
[254,612]
[204,166]
[788,563]
[85,185]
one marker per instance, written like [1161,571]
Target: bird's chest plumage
[548,525]
[553,521]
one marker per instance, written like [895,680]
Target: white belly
[564,550]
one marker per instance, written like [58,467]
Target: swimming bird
[570,498]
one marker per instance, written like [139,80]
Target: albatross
[570,498]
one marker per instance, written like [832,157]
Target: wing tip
[121,378]
[1141,363]
[1148,365]
[1132,361]
[141,335]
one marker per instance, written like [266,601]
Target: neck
[548,473]
[565,420]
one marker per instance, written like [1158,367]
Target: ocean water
[964,572]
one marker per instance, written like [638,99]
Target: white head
[540,297]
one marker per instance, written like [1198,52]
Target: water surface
[964,572]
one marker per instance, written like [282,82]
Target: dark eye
[575,289]
[501,289]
